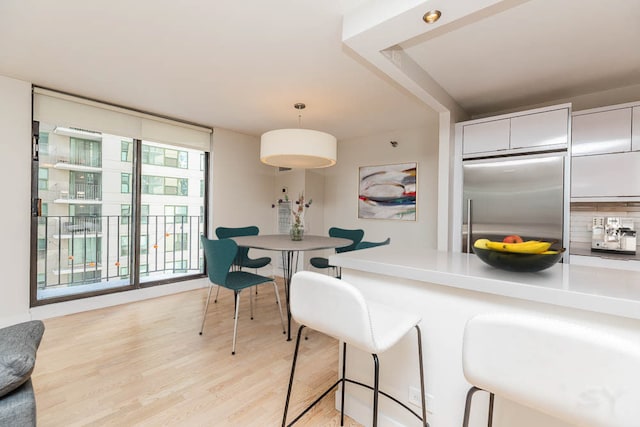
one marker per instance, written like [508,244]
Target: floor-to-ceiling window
[121,198]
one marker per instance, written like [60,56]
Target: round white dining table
[290,250]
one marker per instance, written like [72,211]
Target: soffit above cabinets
[489,56]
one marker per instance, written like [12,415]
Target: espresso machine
[613,234]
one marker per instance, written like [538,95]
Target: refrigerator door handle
[469,204]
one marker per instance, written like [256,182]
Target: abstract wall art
[388,192]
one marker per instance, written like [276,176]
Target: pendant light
[298,148]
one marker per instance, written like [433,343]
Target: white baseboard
[12,320]
[361,411]
[93,303]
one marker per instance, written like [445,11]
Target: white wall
[341,186]
[294,181]
[315,191]
[15,174]
[243,187]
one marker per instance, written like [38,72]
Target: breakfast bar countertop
[596,289]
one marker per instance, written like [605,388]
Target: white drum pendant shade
[298,148]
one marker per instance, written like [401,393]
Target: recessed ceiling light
[431,16]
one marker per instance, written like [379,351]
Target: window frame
[93,157]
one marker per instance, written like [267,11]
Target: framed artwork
[388,192]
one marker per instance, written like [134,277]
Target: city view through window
[84,233]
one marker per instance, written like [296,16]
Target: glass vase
[297,232]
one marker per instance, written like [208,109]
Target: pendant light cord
[299,106]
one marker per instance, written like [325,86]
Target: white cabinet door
[635,127]
[601,132]
[486,136]
[606,175]
[540,129]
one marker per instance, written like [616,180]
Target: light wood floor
[145,364]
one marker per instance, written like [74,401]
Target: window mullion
[136,211]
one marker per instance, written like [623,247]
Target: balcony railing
[78,160]
[81,192]
[74,250]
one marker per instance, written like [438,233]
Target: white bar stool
[580,374]
[338,309]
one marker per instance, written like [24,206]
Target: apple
[514,238]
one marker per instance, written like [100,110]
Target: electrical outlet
[284,190]
[430,401]
[415,399]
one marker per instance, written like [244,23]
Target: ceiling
[533,52]
[242,65]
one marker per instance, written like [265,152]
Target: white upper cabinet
[605,153]
[486,136]
[606,175]
[635,127]
[601,132]
[540,129]
[534,130]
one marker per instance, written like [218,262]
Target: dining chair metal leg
[235,322]
[206,307]
[275,287]
[343,381]
[251,303]
[217,292]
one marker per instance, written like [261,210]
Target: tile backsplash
[582,214]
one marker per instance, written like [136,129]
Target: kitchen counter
[608,291]
[447,289]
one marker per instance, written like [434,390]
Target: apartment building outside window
[43,179]
[85,152]
[86,240]
[159,156]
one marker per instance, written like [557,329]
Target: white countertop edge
[553,287]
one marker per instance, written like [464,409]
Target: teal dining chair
[220,255]
[366,245]
[242,260]
[354,235]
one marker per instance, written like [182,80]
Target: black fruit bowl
[523,263]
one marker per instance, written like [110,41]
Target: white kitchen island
[449,288]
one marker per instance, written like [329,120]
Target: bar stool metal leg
[310,305]
[423,396]
[376,383]
[491,398]
[467,407]
[343,380]
[293,370]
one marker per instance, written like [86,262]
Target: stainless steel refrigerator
[521,195]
